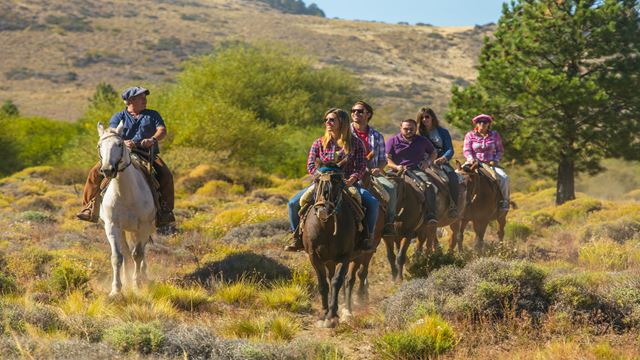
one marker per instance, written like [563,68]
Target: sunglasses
[330,121]
[482,122]
[357,111]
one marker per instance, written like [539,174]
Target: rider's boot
[430,216]
[296,244]
[90,212]
[389,230]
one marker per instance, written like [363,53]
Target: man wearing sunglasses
[361,114]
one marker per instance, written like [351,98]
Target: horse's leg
[336,283]
[455,232]
[480,227]
[389,243]
[363,288]
[432,239]
[349,282]
[115,235]
[421,237]
[402,257]
[323,285]
[127,263]
[460,239]
[139,272]
[502,221]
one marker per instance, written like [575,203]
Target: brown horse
[409,218]
[359,267]
[329,234]
[483,195]
[428,233]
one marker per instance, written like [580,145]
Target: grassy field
[564,285]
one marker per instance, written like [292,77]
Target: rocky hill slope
[54,52]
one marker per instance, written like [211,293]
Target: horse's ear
[120,128]
[100,129]
[458,164]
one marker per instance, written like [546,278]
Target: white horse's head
[114,155]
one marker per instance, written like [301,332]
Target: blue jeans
[369,201]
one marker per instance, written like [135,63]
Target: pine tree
[561,78]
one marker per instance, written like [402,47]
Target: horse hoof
[114,293]
[331,323]
[345,314]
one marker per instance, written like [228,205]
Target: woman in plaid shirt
[485,146]
[336,145]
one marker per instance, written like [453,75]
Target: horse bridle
[118,168]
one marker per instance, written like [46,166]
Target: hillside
[56,52]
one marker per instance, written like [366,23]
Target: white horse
[127,206]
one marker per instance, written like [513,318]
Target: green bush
[516,231]
[431,336]
[422,266]
[68,275]
[39,217]
[618,230]
[258,101]
[7,284]
[134,336]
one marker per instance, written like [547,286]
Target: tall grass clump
[429,337]
[8,284]
[286,296]
[241,292]
[609,255]
[68,275]
[516,231]
[190,299]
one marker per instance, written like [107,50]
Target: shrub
[422,266]
[619,230]
[68,275]
[45,318]
[7,284]
[29,263]
[37,217]
[245,234]
[515,231]
[577,209]
[543,219]
[143,338]
[282,327]
[429,337]
[240,266]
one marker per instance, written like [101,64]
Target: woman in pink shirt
[485,145]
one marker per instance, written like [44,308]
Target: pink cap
[482,116]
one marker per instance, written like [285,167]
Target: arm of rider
[393,165]
[157,136]
[493,163]
[441,160]
[376,171]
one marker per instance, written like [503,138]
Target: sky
[434,12]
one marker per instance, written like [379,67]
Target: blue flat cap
[134,91]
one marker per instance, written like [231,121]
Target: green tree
[251,102]
[9,109]
[561,79]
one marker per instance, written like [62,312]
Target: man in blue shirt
[143,128]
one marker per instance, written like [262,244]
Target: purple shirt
[408,152]
[481,148]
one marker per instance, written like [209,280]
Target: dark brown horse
[329,233]
[483,195]
[359,267]
[410,215]
[428,233]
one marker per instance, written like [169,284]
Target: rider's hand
[130,144]
[146,143]
[492,163]
[400,168]
[376,171]
[351,180]
[441,160]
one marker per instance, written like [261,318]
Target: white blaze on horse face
[111,152]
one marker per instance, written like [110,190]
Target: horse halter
[118,166]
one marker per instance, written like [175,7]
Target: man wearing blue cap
[143,128]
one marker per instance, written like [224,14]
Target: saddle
[438,178]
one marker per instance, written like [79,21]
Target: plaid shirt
[355,166]
[483,149]
[376,157]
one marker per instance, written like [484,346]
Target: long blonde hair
[344,130]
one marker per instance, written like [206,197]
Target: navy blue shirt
[142,128]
